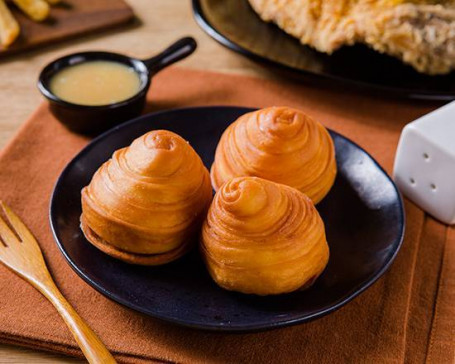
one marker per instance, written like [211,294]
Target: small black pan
[95,119]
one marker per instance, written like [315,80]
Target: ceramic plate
[234,24]
[363,215]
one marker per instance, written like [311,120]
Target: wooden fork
[20,252]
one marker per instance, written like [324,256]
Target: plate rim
[220,327]
[213,32]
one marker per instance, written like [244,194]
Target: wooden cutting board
[68,19]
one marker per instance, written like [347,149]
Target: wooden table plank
[163,21]
[17,355]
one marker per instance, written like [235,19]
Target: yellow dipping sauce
[95,83]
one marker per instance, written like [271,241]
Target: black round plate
[363,215]
[234,24]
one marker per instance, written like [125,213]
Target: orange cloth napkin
[407,316]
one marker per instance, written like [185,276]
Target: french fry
[9,28]
[37,10]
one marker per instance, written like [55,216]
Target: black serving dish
[363,216]
[235,25]
[95,119]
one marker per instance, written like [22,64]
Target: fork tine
[21,230]
[6,234]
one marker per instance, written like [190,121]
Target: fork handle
[92,347]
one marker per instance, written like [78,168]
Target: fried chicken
[419,32]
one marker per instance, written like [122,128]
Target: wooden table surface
[161,22]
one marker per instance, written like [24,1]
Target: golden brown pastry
[146,204]
[280,144]
[419,32]
[263,238]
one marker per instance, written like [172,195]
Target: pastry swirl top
[149,197]
[262,237]
[280,144]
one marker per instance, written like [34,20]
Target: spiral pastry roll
[263,238]
[147,203]
[279,144]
